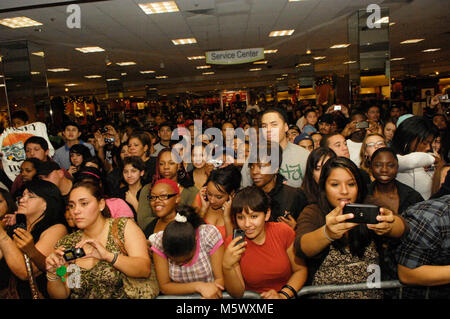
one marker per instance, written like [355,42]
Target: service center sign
[235,56]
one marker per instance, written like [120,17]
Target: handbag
[136,288]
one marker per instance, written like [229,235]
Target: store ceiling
[128,34]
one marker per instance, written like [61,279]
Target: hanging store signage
[234,56]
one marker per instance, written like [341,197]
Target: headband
[85,172]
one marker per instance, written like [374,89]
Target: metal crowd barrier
[313,290]
[308,290]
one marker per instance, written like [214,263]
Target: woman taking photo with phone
[264,261]
[104,265]
[43,208]
[338,251]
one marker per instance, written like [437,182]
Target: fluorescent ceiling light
[200,67]
[410,41]
[397,59]
[340,46]
[58,70]
[255,69]
[71,84]
[112,79]
[285,75]
[19,22]
[39,53]
[382,20]
[184,41]
[123,73]
[95,76]
[391,24]
[261,62]
[431,50]
[281,33]
[349,62]
[270,51]
[303,64]
[198,57]
[207,73]
[90,49]
[161,77]
[319,57]
[35,73]
[146,71]
[126,63]
[159,7]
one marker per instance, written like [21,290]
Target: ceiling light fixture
[58,70]
[39,53]
[281,33]
[431,50]
[90,49]
[19,22]
[349,62]
[71,84]
[319,57]
[255,69]
[270,51]
[261,62]
[411,41]
[184,41]
[208,73]
[200,67]
[159,7]
[303,64]
[397,59]
[146,71]
[126,63]
[340,46]
[198,57]
[95,76]
[112,79]
[161,77]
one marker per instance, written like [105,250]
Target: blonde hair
[365,160]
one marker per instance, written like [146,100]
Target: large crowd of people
[159,205]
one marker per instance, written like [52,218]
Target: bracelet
[291,289]
[284,293]
[116,255]
[326,235]
[52,277]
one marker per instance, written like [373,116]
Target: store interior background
[375,64]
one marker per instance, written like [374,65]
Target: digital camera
[74,253]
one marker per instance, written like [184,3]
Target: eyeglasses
[376,144]
[152,198]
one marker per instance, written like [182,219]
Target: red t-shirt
[267,266]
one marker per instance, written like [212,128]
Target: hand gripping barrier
[225,295]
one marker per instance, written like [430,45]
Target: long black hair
[309,185]
[359,238]
[54,212]
[415,128]
[226,179]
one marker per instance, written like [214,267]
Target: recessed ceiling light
[39,53]
[159,7]
[319,57]
[123,73]
[255,69]
[431,50]
[146,71]
[349,62]
[19,22]
[285,75]
[303,64]
[261,62]
[200,67]
[112,79]
[208,73]
[382,20]
[281,33]
[161,77]
[270,51]
[198,57]
[184,41]
[71,84]
[95,76]
[397,59]
[35,72]
[340,46]
[126,63]
[410,41]
[58,70]
[90,49]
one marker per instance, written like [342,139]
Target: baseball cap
[301,137]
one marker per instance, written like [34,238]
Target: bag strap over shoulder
[116,238]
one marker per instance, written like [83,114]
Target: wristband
[284,293]
[116,255]
[326,235]
[291,289]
